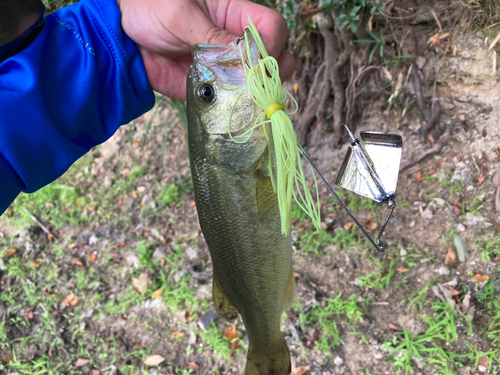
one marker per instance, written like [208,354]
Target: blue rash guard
[69,90]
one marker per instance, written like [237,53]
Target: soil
[428,215]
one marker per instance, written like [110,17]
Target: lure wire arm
[380,246]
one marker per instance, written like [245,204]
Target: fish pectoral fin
[275,362]
[223,306]
[289,295]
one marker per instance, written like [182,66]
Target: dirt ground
[124,274]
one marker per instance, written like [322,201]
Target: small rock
[338,361]
[402,252]
[462,173]
[460,227]
[377,354]
[159,253]
[496,178]
[207,318]
[132,260]
[2,266]
[141,283]
[444,271]
[192,338]
[93,240]
[481,368]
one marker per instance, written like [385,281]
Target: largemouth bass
[237,206]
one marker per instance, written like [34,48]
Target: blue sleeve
[68,91]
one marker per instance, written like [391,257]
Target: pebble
[444,271]
[377,354]
[93,240]
[460,227]
[338,361]
[481,368]
[2,266]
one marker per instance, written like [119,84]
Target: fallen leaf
[300,370]
[79,262]
[134,194]
[95,372]
[154,360]
[234,345]
[435,40]
[419,177]
[230,333]
[454,292]
[125,171]
[178,334]
[483,361]
[480,180]
[91,257]
[29,313]
[72,246]
[455,49]
[9,252]
[157,293]
[402,270]
[37,263]
[141,283]
[50,237]
[193,366]
[70,301]
[295,88]
[481,278]
[348,225]
[139,143]
[7,359]
[80,362]
[187,315]
[451,257]
[313,339]
[431,138]
[369,224]
[435,167]
[394,327]
[450,154]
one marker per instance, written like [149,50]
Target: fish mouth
[223,63]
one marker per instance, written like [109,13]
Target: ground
[106,270]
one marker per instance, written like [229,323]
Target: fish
[237,206]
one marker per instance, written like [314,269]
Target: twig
[379,303]
[433,150]
[435,115]
[437,20]
[43,227]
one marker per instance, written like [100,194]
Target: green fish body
[237,206]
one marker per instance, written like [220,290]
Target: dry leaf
[450,154]
[79,262]
[91,257]
[481,278]
[435,40]
[300,370]
[178,334]
[157,293]
[348,225]
[134,194]
[29,313]
[454,292]
[480,180]
[234,345]
[230,333]
[193,366]
[70,301]
[81,362]
[139,143]
[295,88]
[434,169]
[394,327]
[9,252]
[419,177]
[431,138]
[402,270]
[483,361]
[95,372]
[50,237]
[72,246]
[451,258]
[369,224]
[125,171]
[7,359]
[154,360]
[455,49]
[141,283]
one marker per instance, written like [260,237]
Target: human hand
[166,30]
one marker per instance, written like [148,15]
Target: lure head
[217,88]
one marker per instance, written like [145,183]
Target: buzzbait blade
[370,169]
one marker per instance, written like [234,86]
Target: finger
[232,15]
[166,76]
[199,28]
[287,65]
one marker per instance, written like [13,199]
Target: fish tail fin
[276,362]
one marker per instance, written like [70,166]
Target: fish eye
[206,92]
